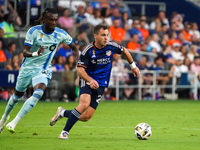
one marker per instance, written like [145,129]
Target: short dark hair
[98,27]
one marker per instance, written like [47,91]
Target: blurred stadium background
[162,36]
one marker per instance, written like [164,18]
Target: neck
[46,30]
[97,45]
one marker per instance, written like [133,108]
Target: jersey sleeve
[83,60]
[30,35]
[117,48]
[67,39]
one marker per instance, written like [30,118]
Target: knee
[38,93]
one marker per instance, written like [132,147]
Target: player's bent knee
[38,93]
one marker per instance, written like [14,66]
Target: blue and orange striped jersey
[98,62]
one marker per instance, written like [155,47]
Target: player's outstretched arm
[28,53]
[82,73]
[75,50]
[135,70]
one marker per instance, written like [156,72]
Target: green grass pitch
[175,126]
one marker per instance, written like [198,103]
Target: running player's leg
[22,83]
[75,114]
[39,84]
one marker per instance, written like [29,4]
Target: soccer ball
[143,131]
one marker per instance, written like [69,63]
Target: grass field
[175,126]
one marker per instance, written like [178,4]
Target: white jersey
[36,38]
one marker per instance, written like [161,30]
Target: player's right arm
[29,40]
[82,73]
[28,53]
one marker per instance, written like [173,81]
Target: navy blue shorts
[96,95]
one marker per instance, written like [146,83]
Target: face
[50,21]
[102,37]
[66,13]
[116,23]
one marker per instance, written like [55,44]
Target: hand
[93,84]
[136,72]
[41,50]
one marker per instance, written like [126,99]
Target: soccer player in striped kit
[94,67]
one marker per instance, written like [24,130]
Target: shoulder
[113,44]
[61,31]
[34,28]
[87,49]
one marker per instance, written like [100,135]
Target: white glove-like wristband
[132,65]
[35,54]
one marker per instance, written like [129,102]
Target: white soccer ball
[143,131]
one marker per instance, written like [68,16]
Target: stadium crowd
[175,43]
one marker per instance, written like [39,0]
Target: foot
[56,117]
[2,123]
[11,127]
[63,135]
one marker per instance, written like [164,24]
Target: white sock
[16,120]
[62,113]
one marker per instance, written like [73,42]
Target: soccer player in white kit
[39,48]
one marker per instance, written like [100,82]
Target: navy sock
[66,113]
[72,119]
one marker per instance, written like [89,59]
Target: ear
[95,36]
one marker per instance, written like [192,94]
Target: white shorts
[26,77]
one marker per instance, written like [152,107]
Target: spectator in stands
[8,26]
[2,57]
[126,20]
[178,20]
[106,16]
[70,64]
[146,78]
[66,22]
[186,32]
[135,29]
[2,39]
[195,40]
[176,51]
[117,33]
[115,14]
[155,22]
[81,22]
[89,14]
[97,17]
[163,19]
[160,78]
[10,51]
[133,44]
[64,51]
[183,51]
[194,30]
[173,28]
[81,40]
[195,67]
[143,29]
[163,41]
[127,35]
[179,67]
[155,43]
[184,42]
[21,57]
[192,52]
[172,39]
[59,63]
[15,62]
[144,18]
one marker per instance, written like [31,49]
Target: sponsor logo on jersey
[108,53]
[93,61]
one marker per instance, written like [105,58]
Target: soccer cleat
[56,117]
[63,135]
[10,127]
[2,123]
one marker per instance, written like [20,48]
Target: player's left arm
[75,50]
[135,70]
